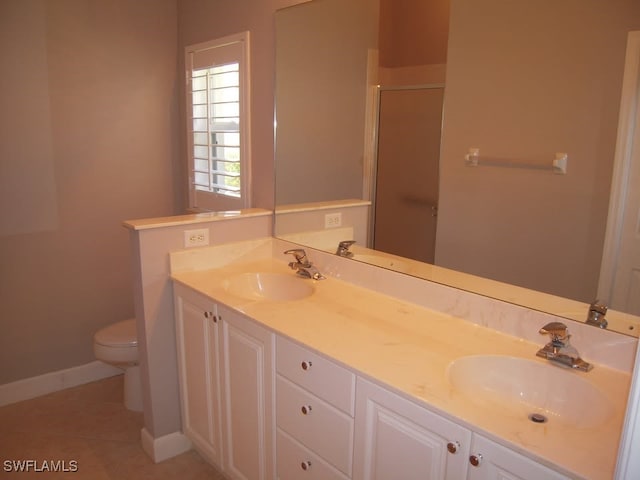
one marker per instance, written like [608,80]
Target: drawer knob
[211,316]
[306,465]
[453,447]
[306,365]
[475,460]
[306,409]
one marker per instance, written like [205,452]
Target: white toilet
[117,344]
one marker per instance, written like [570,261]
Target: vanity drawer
[316,424]
[327,380]
[296,462]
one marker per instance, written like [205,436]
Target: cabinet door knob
[306,409]
[306,365]
[306,465]
[476,459]
[453,446]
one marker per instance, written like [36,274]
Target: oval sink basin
[277,287]
[526,388]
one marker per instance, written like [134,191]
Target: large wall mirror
[394,102]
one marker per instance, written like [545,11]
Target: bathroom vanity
[290,378]
[225,363]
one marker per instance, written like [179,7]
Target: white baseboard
[164,447]
[52,382]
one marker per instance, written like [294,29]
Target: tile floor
[89,425]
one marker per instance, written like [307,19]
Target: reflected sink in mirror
[528,389]
[279,287]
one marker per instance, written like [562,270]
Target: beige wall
[90,140]
[322,77]
[535,79]
[105,143]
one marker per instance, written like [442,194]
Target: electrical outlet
[196,238]
[332,220]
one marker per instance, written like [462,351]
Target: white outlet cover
[333,220]
[196,238]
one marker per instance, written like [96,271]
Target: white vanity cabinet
[396,438]
[226,370]
[247,397]
[491,461]
[314,415]
[329,424]
[197,334]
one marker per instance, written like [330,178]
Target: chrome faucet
[302,265]
[343,248]
[597,311]
[558,350]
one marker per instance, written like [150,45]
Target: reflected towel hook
[558,165]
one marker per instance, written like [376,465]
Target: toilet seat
[119,334]
[117,344]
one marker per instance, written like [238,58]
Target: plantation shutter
[217,124]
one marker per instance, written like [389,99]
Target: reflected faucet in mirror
[343,248]
[597,311]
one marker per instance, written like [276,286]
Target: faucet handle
[343,248]
[300,256]
[598,307]
[346,243]
[558,331]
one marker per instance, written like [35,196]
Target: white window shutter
[217,74]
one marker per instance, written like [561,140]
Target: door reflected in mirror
[407,168]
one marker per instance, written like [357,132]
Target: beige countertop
[409,348]
[193,218]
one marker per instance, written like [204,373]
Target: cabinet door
[497,462]
[396,438]
[199,372]
[248,397]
